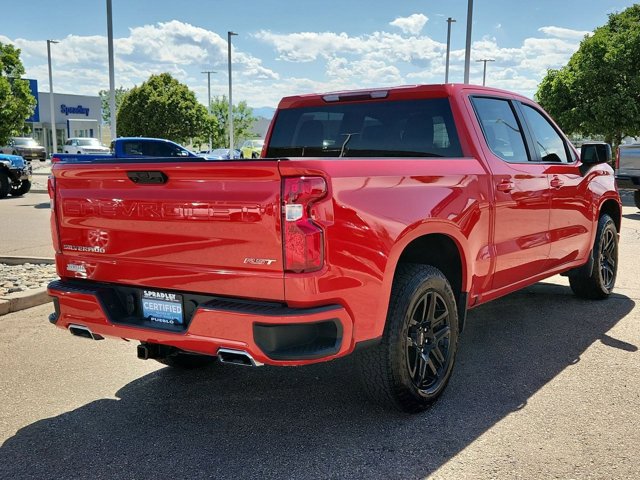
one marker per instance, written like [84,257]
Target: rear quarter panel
[374,209]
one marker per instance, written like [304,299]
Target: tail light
[55,159]
[55,234]
[51,187]
[303,239]
[618,159]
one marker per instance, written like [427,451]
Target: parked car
[628,169]
[85,145]
[26,147]
[15,176]
[377,220]
[251,149]
[131,147]
[221,154]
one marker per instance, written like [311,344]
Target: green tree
[106,108]
[598,91]
[243,121]
[16,102]
[162,107]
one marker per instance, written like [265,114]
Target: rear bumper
[624,181]
[271,333]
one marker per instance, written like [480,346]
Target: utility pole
[484,70]
[467,52]
[446,72]
[54,136]
[229,35]
[209,72]
[112,81]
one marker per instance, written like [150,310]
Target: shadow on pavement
[313,422]
[38,206]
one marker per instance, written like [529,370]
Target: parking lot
[546,385]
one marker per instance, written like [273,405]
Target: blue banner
[33,85]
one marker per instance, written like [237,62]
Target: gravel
[19,278]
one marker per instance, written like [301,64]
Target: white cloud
[413,24]
[560,32]
[309,61]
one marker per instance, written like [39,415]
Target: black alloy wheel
[411,366]
[428,339]
[596,279]
[608,258]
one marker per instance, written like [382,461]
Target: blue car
[15,176]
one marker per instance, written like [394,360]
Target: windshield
[220,151]
[89,142]
[407,128]
[25,142]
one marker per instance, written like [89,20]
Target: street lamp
[229,35]
[112,81]
[54,137]
[209,72]
[446,72]
[467,52]
[484,71]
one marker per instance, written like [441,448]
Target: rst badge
[259,261]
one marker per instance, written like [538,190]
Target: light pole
[446,72]
[209,72]
[467,52]
[112,81]
[54,137]
[484,71]
[229,35]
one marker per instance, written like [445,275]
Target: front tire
[636,198]
[20,188]
[410,368]
[597,283]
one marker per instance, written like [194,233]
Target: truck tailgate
[205,227]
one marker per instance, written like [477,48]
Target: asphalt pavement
[545,386]
[24,226]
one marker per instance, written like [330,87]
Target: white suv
[84,145]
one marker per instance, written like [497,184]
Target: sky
[290,48]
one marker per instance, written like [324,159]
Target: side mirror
[594,153]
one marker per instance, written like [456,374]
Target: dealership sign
[79,110]
[33,86]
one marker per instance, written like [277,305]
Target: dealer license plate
[162,307]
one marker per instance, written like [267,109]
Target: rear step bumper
[272,334]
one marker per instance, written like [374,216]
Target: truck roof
[402,92]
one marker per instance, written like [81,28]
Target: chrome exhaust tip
[82,331]
[237,357]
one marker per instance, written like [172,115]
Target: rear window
[407,128]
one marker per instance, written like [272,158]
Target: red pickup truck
[375,220]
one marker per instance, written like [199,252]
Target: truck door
[570,215]
[521,193]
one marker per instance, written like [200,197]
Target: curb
[11,260]
[23,300]
[35,190]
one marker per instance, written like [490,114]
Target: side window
[548,142]
[131,149]
[501,129]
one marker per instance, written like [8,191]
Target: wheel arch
[612,208]
[426,246]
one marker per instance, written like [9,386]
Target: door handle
[556,182]
[505,186]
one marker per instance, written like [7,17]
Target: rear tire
[597,283]
[19,189]
[410,368]
[187,361]
[636,198]
[5,185]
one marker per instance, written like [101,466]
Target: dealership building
[74,116]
